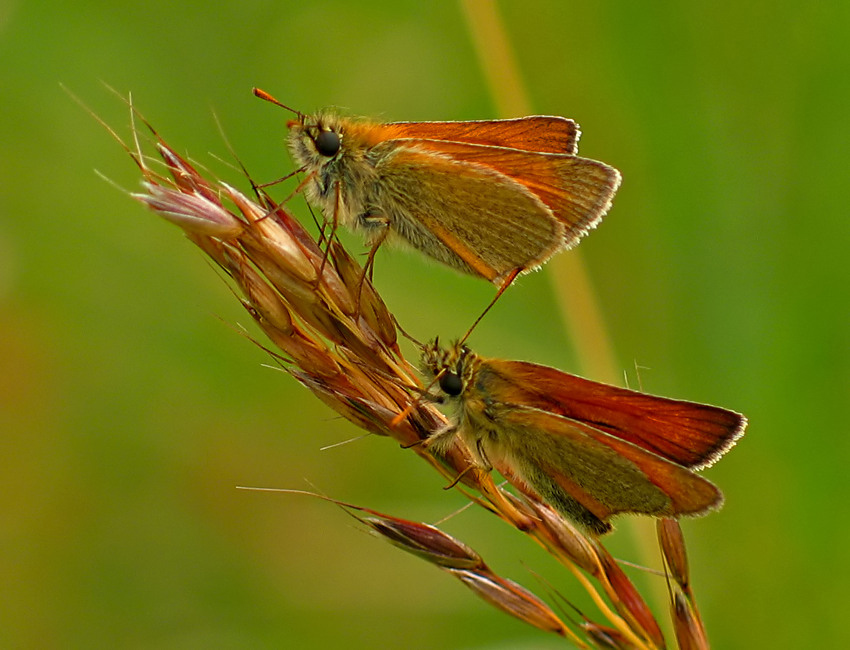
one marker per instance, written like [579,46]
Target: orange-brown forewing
[542,133]
[690,434]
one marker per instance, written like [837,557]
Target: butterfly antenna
[262,94]
[505,284]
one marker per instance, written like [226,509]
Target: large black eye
[451,384]
[327,143]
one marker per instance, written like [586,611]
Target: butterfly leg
[379,229]
[481,468]
[441,440]
[334,224]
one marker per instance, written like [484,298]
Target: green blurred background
[130,410]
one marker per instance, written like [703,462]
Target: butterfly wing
[688,433]
[542,133]
[589,475]
[578,191]
[469,216]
